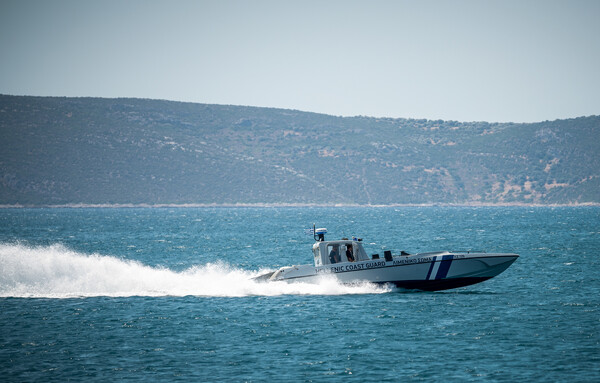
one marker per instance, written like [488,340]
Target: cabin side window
[349,253]
[334,253]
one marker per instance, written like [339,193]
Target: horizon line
[293,109]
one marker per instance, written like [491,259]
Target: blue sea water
[165,294]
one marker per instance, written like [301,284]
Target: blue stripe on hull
[444,267]
[430,269]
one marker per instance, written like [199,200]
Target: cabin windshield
[330,253]
[344,252]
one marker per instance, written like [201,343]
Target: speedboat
[347,260]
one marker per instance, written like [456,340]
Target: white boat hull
[428,271]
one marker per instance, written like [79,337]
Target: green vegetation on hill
[134,151]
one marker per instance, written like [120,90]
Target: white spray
[58,272]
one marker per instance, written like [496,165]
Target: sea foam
[58,272]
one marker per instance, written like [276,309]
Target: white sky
[519,61]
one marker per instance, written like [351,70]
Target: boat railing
[468,251]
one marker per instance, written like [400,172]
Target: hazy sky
[516,61]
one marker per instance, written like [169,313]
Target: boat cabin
[331,252]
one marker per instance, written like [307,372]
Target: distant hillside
[120,151]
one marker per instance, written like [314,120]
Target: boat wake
[58,272]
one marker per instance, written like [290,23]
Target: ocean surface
[165,294]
